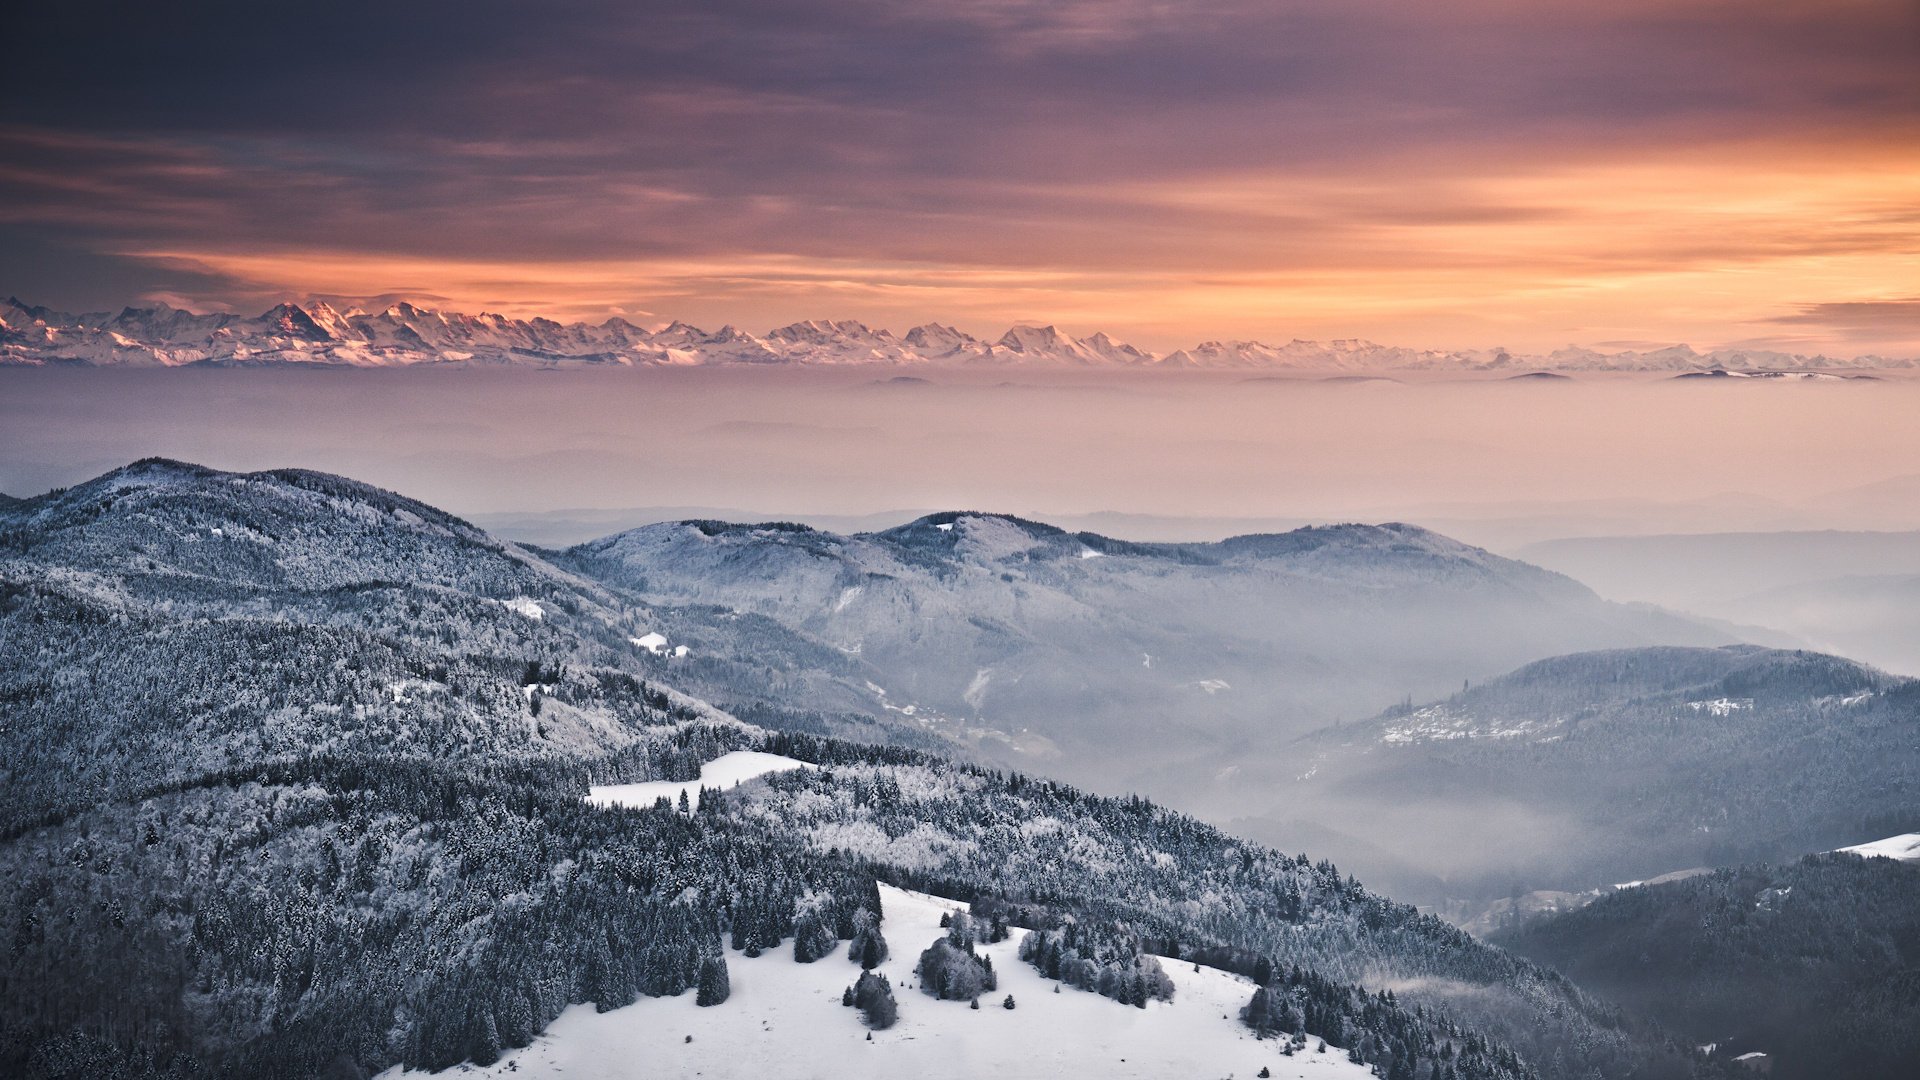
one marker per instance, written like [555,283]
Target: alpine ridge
[403,335]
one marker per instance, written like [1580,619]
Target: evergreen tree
[715,987]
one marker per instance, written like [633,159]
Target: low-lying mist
[1139,455]
[559,456]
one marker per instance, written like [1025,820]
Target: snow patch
[725,771]
[976,691]
[521,605]
[1439,723]
[1721,706]
[653,641]
[1905,848]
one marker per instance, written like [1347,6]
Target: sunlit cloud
[1487,173]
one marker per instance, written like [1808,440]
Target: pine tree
[715,987]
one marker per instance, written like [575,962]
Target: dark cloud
[986,134]
[1861,319]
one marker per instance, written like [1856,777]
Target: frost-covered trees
[714,984]
[813,937]
[1272,1013]
[1106,959]
[868,947]
[872,994]
[951,969]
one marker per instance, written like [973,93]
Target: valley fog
[1490,740]
[562,456]
[1188,690]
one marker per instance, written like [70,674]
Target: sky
[1459,175]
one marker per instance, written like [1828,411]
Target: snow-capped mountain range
[404,335]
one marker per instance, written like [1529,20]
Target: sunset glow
[1520,175]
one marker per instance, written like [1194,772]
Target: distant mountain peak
[403,333]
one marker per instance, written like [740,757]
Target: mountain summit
[404,335]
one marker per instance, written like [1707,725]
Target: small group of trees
[813,937]
[872,994]
[951,969]
[1105,958]
[869,946]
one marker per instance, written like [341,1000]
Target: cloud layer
[1527,174]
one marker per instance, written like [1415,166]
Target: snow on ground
[785,1020]
[653,641]
[722,772]
[520,605]
[1905,847]
[1436,723]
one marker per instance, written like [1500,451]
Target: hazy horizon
[1490,462]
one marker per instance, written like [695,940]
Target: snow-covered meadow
[725,771]
[785,1020]
[1905,848]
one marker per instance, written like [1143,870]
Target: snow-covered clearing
[1443,722]
[785,1020]
[722,772]
[1905,847]
[521,605]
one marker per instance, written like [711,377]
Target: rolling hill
[1598,768]
[1149,667]
[300,769]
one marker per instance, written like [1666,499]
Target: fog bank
[1145,455]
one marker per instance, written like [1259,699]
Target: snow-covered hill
[1612,766]
[784,1019]
[1902,848]
[1151,667]
[402,335]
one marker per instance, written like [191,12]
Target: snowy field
[1905,847]
[784,1020]
[724,771]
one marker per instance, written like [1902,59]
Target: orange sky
[1522,175]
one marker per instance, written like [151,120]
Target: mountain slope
[1152,666]
[1585,770]
[195,619]
[785,1019]
[1815,963]
[340,824]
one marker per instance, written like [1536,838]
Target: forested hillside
[294,784]
[1177,670]
[1599,768]
[1815,963]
